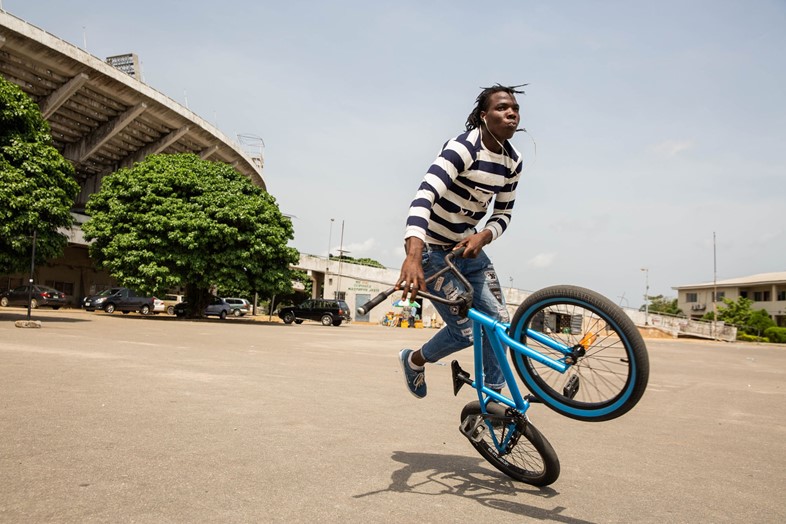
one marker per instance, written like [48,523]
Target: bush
[776,334]
[744,337]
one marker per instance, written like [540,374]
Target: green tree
[759,322]
[742,315]
[668,306]
[177,220]
[37,187]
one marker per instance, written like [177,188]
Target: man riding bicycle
[473,169]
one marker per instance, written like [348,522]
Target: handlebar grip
[374,302]
[456,253]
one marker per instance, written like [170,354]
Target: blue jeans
[457,333]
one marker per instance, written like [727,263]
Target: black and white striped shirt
[458,188]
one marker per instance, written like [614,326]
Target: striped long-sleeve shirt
[458,189]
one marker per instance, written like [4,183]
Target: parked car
[42,296]
[240,306]
[327,311]
[158,306]
[170,301]
[217,308]
[120,299]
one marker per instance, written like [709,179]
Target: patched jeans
[457,333]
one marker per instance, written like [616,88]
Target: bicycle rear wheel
[611,367]
[529,457]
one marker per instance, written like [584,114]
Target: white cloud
[541,260]
[357,249]
[671,148]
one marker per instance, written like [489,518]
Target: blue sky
[651,124]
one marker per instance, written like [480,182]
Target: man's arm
[412,278]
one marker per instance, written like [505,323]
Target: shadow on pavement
[452,475]
[51,318]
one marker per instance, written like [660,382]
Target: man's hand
[412,279]
[474,243]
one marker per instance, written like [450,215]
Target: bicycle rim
[529,459]
[608,379]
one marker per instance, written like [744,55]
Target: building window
[691,297]
[340,295]
[761,296]
[743,294]
[719,296]
[781,295]
[65,287]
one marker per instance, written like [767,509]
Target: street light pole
[330,241]
[646,295]
[327,260]
[340,260]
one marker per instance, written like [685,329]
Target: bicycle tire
[610,378]
[531,459]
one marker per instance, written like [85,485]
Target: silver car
[240,306]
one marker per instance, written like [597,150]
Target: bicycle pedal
[473,428]
[571,387]
[460,377]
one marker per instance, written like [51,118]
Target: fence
[680,326]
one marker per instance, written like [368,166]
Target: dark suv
[323,310]
[120,299]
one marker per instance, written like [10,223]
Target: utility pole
[340,260]
[714,289]
[646,295]
[327,260]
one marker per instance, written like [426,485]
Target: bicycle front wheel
[528,458]
[610,367]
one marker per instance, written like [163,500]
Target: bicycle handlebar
[463,301]
[374,302]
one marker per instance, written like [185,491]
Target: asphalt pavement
[124,418]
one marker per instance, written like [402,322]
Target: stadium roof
[103,119]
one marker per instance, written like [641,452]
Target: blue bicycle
[576,352]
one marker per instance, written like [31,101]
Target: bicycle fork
[474,427]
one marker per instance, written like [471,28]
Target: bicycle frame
[499,338]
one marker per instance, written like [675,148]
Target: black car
[120,299]
[43,296]
[324,310]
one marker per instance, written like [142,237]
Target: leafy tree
[37,187]
[659,304]
[177,220]
[737,312]
[293,295]
[743,316]
[759,322]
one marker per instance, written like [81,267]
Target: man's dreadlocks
[473,120]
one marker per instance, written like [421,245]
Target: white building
[766,290]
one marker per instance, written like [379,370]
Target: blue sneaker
[416,380]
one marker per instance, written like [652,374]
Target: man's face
[502,116]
